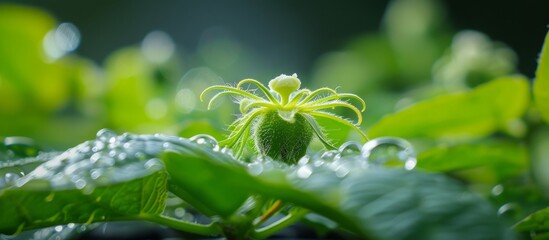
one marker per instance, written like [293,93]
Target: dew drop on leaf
[98,146]
[8,176]
[96,173]
[179,212]
[509,210]
[255,168]
[349,149]
[497,190]
[304,171]
[140,155]
[303,160]
[95,157]
[80,183]
[227,151]
[329,156]
[206,141]
[106,162]
[106,135]
[342,170]
[122,156]
[153,164]
[390,151]
[112,153]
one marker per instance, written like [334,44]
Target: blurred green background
[70,68]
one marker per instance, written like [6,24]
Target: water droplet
[80,183]
[83,228]
[342,170]
[122,156]
[390,151]
[205,140]
[106,162]
[76,167]
[303,160]
[112,153]
[85,148]
[95,157]
[140,155]
[304,171]
[124,137]
[105,135]
[154,164]
[497,190]
[98,146]
[96,173]
[10,176]
[329,155]
[180,212]
[58,228]
[71,225]
[509,209]
[349,148]
[227,151]
[255,168]
[166,145]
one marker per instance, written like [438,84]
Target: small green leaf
[506,158]
[541,84]
[538,221]
[482,111]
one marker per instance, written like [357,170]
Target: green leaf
[210,182]
[482,111]
[427,206]
[111,178]
[506,158]
[37,204]
[541,84]
[398,204]
[19,155]
[371,202]
[538,221]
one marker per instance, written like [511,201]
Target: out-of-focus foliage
[472,59]
[43,96]
[541,84]
[489,107]
[48,90]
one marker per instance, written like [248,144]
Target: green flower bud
[281,139]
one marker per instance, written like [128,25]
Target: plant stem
[272,211]
[275,227]
[205,230]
